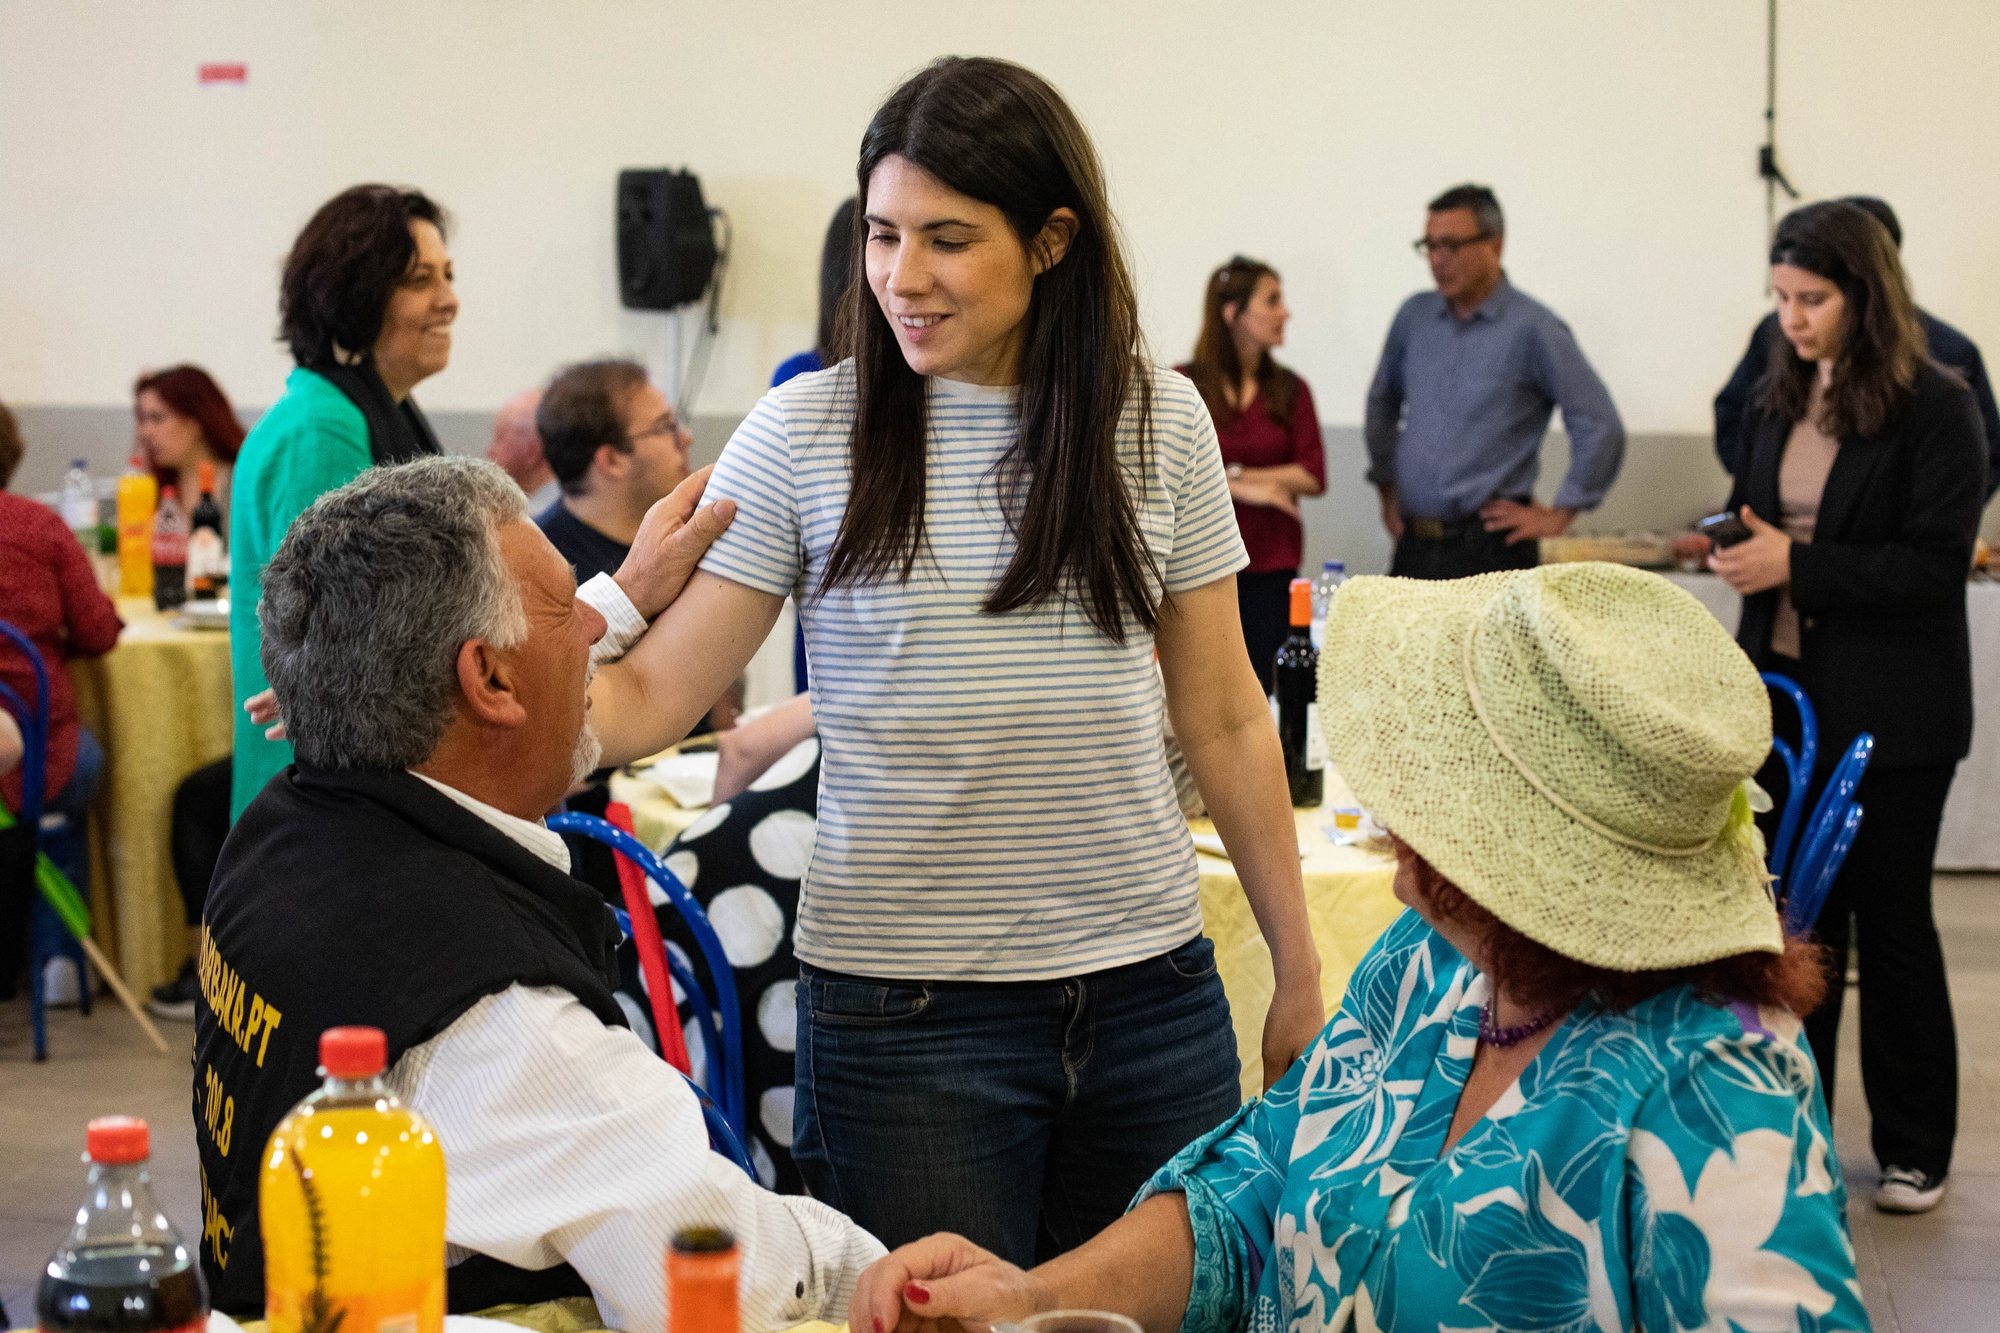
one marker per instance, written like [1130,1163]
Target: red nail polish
[917,1293]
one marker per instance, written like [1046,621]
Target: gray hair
[1480,200]
[370,597]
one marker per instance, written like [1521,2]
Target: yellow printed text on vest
[224,991]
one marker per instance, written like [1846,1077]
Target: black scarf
[397,433]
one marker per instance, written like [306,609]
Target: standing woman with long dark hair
[1272,450]
[1862,487]
[992,513]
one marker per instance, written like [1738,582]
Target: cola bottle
[123,1268]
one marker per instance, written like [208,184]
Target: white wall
[143,218]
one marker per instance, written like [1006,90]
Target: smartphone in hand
[1724,529]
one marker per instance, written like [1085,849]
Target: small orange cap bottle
[703,1272]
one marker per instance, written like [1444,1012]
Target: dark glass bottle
[1295,689]
[207,564]
[170,552]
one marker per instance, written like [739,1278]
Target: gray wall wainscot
[1668,480]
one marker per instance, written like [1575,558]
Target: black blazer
[1880,589]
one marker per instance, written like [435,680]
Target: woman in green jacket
[366,305]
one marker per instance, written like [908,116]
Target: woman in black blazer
[1862,488]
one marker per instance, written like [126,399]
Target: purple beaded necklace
[1520,1032]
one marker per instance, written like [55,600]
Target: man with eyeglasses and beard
[1469,377]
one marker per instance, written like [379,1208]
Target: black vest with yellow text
[364,898]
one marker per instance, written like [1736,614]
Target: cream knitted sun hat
[1570,746]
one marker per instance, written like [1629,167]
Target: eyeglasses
[664,426]
[1447,246]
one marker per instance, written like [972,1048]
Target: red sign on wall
[236,73]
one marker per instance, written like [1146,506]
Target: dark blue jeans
[1022,1115]
[70,850]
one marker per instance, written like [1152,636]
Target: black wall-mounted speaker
[666,245]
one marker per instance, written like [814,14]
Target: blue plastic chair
[1798,767]
[47,935]
[1803,909]
[1828,837]
[722,1136]
[724,1047]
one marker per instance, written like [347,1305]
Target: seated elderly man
[434,658]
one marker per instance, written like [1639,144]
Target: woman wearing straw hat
[1568,1088]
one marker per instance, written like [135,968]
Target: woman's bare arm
[651,697]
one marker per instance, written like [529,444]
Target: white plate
[688,778]
[208,614]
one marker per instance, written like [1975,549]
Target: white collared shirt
[623,625]
[538,838]
[569,1141]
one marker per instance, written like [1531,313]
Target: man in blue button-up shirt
[1460,403]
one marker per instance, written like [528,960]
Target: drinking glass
[1079,1321]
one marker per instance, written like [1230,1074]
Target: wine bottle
[207,560]
[1295,688]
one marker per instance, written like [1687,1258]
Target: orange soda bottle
[703,1276]
[351,1203]
[138,495]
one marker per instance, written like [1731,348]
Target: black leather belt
[1448,530]
[1438,530]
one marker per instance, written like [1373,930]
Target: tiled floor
[1938,1273]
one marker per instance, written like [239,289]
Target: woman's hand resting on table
[1760,562]
[942,1282]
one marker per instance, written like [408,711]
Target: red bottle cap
[354,1052]
[1302,603]
[118,1140]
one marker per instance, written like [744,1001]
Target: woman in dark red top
[1270,440]
[49,592]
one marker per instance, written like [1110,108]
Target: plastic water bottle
[1331,575]
[122,1266]
[79,504]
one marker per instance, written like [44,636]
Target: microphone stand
[1768,169]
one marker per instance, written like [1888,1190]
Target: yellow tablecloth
[160,704]
[571,1314]
[1348,897]
[1350,901]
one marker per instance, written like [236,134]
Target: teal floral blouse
[1668,1168]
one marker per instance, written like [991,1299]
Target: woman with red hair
[184,420]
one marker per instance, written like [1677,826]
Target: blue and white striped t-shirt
[994,796]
